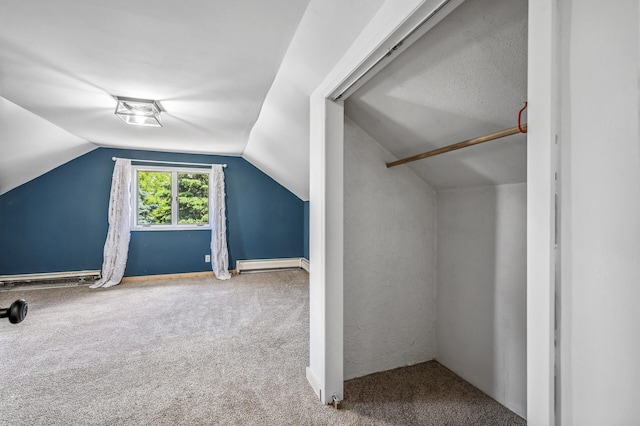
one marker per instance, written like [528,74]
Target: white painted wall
[481,290]
[600,206]
[325,371]
[541,183]
[600,213]
[389,254]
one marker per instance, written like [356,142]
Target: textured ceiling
[235,79]
[465,78]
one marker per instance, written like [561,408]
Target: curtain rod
[167,162]
[486,138]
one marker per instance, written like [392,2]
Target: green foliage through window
[155,193]
[193,198]
[154,198]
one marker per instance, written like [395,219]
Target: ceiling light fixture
[141,112]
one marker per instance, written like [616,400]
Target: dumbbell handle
[16,312]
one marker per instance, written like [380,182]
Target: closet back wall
[482,289]
[58,221]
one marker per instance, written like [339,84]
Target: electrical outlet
[207,258]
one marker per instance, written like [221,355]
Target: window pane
[154,198]
[193,198]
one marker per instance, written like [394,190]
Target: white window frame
[174,226]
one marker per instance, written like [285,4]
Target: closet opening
[435,259]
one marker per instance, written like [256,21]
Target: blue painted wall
[305,232]
[58,222]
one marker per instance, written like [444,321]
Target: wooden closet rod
[486,138]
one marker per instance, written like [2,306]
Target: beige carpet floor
[201,352]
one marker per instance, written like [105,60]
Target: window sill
[171,228]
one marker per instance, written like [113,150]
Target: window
[170,198]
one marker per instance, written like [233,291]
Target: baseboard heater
[271,264]
[57,279]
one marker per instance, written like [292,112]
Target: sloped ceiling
[234,78]
[24,156]
[279,142]
[465,78]
[209,63]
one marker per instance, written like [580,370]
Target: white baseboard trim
[49,276]
[304,264]
[315,383]
[270,264]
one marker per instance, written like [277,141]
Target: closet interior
[435,249]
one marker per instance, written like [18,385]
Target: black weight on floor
[16,312]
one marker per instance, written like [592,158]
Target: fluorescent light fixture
[141,112]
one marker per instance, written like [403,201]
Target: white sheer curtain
[218,217]
[116,248]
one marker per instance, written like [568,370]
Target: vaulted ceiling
[234,78]
[215,66]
